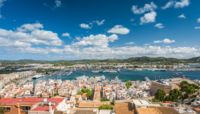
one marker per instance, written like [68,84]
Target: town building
[30,105]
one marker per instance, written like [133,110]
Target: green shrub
[105,107]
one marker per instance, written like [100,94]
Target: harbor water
[125,75]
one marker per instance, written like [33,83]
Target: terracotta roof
[123,108]
[27,101]
[156,110]
[85,112]
[92,104]
[55,101]
[14,101]
[197,109]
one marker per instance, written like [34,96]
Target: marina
[125,75]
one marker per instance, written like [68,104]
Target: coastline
[126,75]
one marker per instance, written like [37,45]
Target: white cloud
[148,17]
[149,12]
[176,4]
[100,22]
[66,34]
[97,47]
[119,29]
[169,4]
[87,48]
[147,8]
[198,20]
[197,28]
[182,16]
[85,26]
[34,39]
[58,3]
[131,51]
[99,40]
[29,37]
[182,3]
[165,41]
[91,24]
[159,26]
[30,27]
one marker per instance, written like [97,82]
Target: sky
[98,29]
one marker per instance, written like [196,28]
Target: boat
[95,71]
[37,76]
[110,71]
[69,73]
[146,78]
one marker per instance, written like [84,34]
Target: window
[5,109]
[25,108]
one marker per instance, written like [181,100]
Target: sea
[125,75]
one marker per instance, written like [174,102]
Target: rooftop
[124,108]
[85,112]
[156,110]
[141,103]
[88,104]
[28,101]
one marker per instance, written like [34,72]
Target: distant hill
[154,60]
[139,60]
[194,60]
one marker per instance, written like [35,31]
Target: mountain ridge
[143,59]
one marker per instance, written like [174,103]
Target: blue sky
[98,29]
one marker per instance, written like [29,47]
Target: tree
[128,84]
[188,89]
[104,99]
[174,95]
[105,107]
[88,92]
[183,83]
[160,95]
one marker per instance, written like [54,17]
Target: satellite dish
[50,103]
[45,100]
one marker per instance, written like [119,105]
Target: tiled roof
[27,101]
[123,108]
[54,101]
[85,112]
[197,109]
[13,101]
[92,104]
[157,110]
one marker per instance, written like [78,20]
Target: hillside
[137,60]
